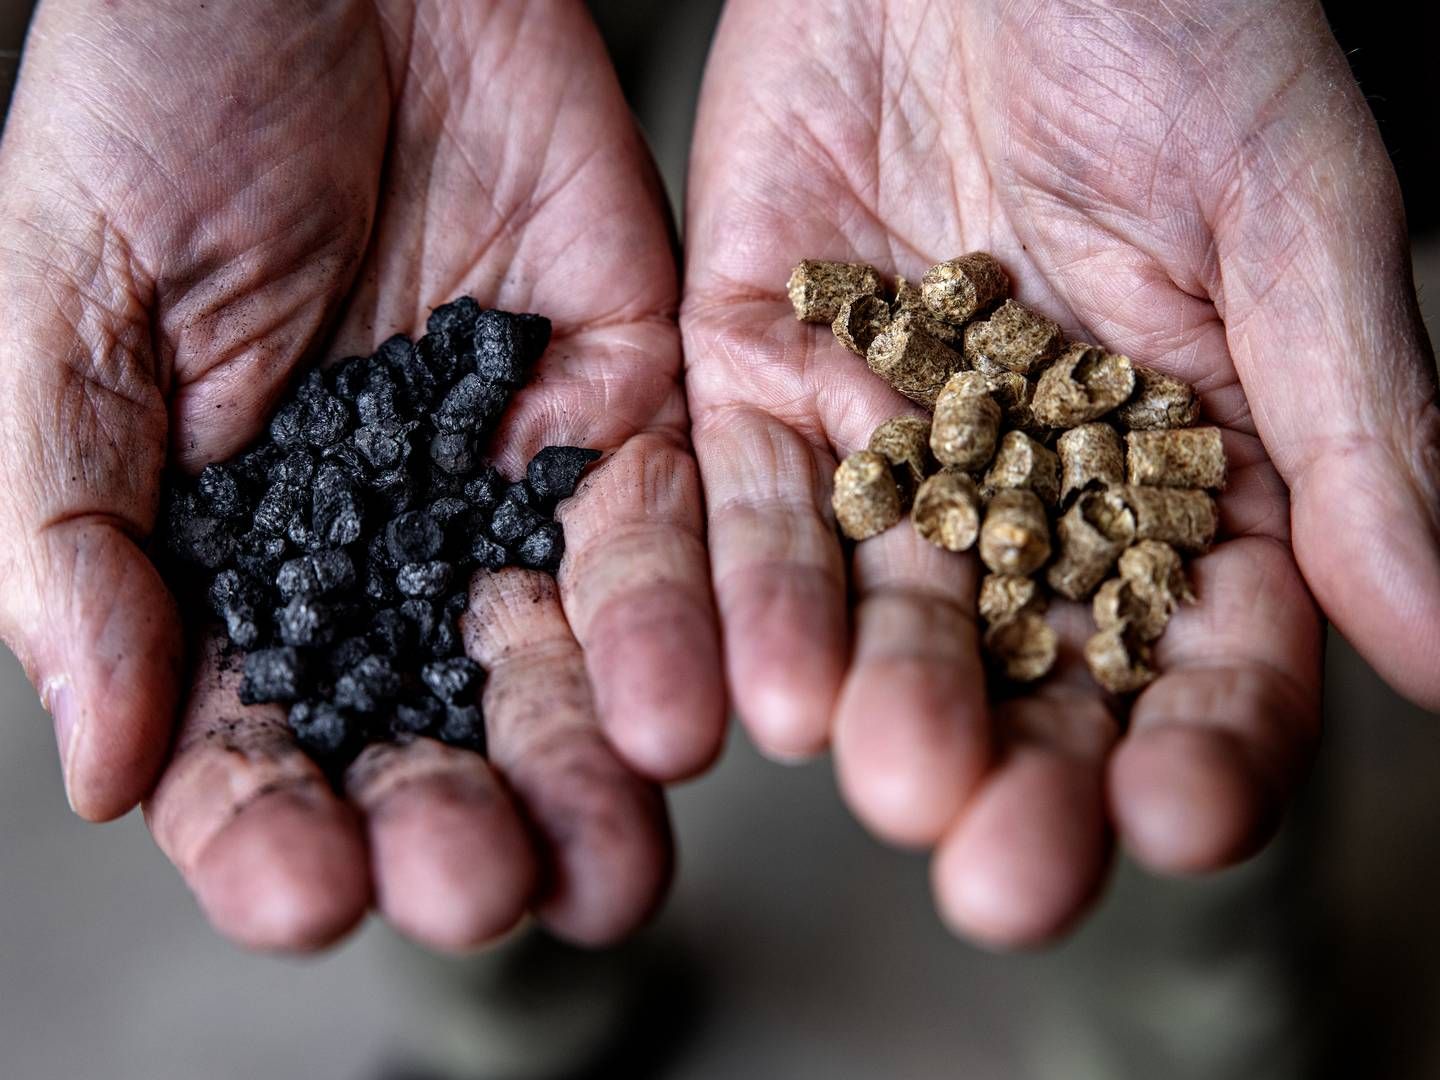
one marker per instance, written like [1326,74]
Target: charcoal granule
[336,549]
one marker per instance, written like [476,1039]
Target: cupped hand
[197,198]
[1199,185]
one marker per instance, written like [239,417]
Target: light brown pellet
[1015,536]
[1092,535]
[1181,517]
[904,441]
[959,289]
[1014,337]
[1155,570]
[1119,665]
[1090,457]
[1160,401]
[1118,606]
[1177,457]
[866,498]
[912,361]
[1021,462]
[947,510]
[1024,647]
[860,321]
[1003,596]
[818,288]
[1083,384]
[910,301]
[967,423]
[1013,392]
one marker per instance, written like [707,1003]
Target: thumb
[1322,321]
[82,436]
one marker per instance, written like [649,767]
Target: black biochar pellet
[336,550]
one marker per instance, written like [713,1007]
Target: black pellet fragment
[457,603]
[488,554]
[287,426]
[278,505]
[347,652]
[259,555]
[472,405]
[455,319]
[348,377]
[453,680]
[394,351]
[273,675]
[514,518]
[414,537]
[367,686]
[507,345]
[336,515]
[206,541]
[418,716]
[375,405]
[463,726]
[422,615]
[317,574]
[384,444]
[452,452]
[305,620]
[444,640]
[321,728]
[423,579]
[543,548]
[391,633]
[555,471]
[220,491]
[485,489]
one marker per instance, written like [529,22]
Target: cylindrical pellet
[1159,401]
[1003,596]
[1021,462]
[967,423]
[910,301]
[1013,392]
[860,321]
[1155,570]
[1090,457]
[912,361]
[818,288]
[905,442]
[1092,533]
[1014,337]
[866,498]
[958,290]
[1015,537]
[1177,457]
[1118,606]
[1083,384]
[1024,647]
[1181,517]
[1114,664]
[947,510]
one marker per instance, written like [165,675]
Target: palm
[497,159]
[902,137]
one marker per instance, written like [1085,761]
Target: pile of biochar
[338,548]
[1073,470]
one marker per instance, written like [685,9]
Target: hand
[196,198]
[1201,187]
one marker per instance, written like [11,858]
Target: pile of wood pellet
[1027,431]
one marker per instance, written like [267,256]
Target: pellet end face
[1023,648]
[866,498]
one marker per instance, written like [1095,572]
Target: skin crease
[195,199]
[1197,184]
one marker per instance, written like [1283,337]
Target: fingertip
[1188,800]
[1027,859]
[908,752]
[289,873]
[454,868]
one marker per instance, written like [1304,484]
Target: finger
[1220,740]
[82,428]
[275,859]
[453,865]
[635,581]
[912,732]
[1030,850]
[603,831]
[779,577]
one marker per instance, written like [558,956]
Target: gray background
[793,945]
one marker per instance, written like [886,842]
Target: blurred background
[793,946]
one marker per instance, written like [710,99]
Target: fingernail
[58,697]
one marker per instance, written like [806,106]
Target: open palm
[197,200]
[1199,186]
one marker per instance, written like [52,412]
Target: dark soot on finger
[336,549]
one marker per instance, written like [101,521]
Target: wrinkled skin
[193,199]
[1197,184]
